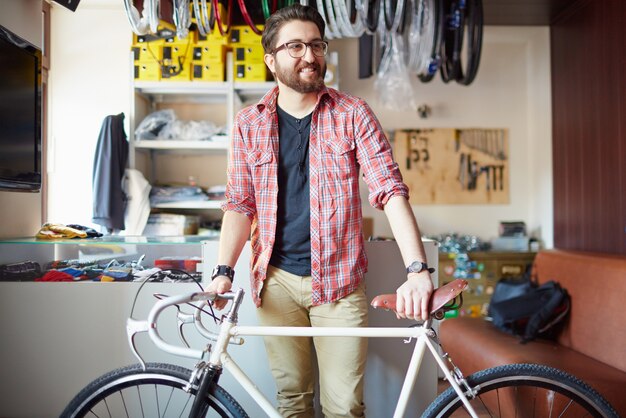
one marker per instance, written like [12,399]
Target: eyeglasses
[297,49]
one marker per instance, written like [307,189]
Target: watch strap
[223,270]
[424,267]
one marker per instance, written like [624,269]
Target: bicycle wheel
[156,392]
[524,390]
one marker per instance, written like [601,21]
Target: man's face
[304,74]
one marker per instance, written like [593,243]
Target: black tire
[156,392]
[529,390]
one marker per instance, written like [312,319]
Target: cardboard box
[171,224]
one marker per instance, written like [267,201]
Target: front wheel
[155,392]
[524,390]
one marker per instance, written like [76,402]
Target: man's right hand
[219,285]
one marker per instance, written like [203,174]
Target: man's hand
[219,285]
[414,295]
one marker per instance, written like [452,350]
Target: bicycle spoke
[566,408]
[124,403]
[156,395]
[140,402]
[168,401]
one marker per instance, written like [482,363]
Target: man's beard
[291,77]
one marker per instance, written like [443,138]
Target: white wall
[512,91]
[91,71]
[21,212]
[89,79]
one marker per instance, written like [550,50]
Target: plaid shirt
[345,137]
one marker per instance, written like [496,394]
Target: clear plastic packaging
[163,124]
[151,126]
[392,84]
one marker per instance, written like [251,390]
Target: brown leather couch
[592,345]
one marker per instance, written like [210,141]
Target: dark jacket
[109,201]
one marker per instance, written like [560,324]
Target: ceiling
[522,12]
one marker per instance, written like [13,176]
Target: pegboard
[454,166]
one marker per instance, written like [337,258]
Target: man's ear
[270,62]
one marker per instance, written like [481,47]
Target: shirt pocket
[260,164]
[339,159]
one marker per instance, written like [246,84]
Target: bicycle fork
[207,375]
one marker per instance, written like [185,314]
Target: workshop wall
[90,79]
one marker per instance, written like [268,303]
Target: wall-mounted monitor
[20,113]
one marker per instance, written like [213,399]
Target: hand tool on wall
[462,170]
[501,168]
[485,169]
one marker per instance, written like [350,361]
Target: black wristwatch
[418,266]
[223,270]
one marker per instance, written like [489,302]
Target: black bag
[536,311]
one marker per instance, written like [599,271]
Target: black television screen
[20,113]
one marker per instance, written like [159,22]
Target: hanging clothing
[110,160]
[137,190]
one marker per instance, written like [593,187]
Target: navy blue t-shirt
[292,247]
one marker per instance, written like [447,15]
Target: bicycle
[157,389]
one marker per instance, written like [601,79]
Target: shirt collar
[269,99]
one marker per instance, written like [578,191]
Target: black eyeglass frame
[306,44]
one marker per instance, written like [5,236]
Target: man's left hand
[413,296]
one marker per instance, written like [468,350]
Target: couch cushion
[475,344]
[597,285]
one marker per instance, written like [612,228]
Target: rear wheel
[155,392]
[524,390]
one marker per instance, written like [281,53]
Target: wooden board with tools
[454,166]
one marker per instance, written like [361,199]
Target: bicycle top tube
[440,301]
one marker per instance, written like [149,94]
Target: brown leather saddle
[441,300]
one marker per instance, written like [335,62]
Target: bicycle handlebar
[161,305]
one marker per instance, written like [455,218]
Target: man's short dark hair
[286,15]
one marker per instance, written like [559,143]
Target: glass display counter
[20,257]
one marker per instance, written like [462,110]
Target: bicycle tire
[523,388]
[113,392]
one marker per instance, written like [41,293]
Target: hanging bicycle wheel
[156,392]
[524,390]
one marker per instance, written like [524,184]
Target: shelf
[220,144]
[201,204]
[183,91]
[111,239]
[247,91]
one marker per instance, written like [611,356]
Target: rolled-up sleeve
[239,187]
[380,172]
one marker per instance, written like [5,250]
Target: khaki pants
[341,360]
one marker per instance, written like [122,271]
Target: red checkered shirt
[345,137]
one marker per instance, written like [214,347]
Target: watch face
[416,267]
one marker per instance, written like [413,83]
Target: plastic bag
[163,124]
[392,83]
[151,126]
[188,130]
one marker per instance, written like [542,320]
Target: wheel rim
[534,396]
[144,395]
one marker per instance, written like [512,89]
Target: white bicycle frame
[230,333]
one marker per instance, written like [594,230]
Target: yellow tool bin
[204,53]
[244,35]
[177,57]
[147,71]
[248,53]
[252,72]
[208,71]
